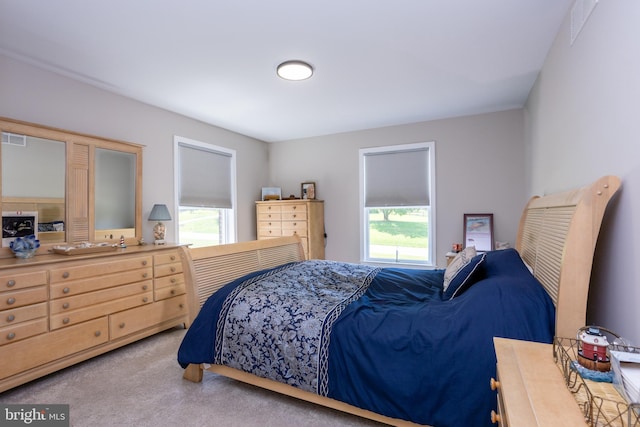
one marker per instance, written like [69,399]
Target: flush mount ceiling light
[295,70]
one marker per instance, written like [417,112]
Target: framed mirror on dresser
[79,188]
[60,307]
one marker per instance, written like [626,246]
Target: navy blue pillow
[466,277]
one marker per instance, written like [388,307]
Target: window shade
[396,178]
[205,177]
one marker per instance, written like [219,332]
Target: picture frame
[271,193]
[18,224]
[308,190]
[478,231]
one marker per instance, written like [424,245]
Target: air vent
[580,12]
[14,139]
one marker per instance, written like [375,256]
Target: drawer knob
[66,290]
[173,257]
[65,320]
[173,269]
[144,262]
[11,335]
[145,299]
[11,301]
[495,417]
[65,305]
[144,275]
[122,325]
[144,287]
[173,291]
[181,305]
[11,283]
[495,384]
[65,275]
[11,318]
[97,333]
[173,280]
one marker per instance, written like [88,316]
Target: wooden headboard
[557,238]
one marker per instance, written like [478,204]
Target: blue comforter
[388,342]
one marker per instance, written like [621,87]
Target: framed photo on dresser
[478,231]
[308,190]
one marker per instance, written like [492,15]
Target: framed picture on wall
[308,190]
[478,231]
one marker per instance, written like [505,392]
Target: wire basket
[600,402]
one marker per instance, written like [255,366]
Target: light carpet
[141,385]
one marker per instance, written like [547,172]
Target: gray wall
[582,122]
[34,95]
[479,169]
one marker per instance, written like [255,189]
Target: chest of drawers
[57,310]
[304,218]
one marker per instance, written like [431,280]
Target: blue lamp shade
[159,213]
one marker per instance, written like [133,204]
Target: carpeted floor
[141,385]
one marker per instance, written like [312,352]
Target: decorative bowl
[25,247]
[25,254]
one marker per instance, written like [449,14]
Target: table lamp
[159,213]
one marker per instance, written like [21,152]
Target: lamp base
[160,242]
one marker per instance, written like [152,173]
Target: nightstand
[530,386]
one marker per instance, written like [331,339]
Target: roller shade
[205,177]
[396,178]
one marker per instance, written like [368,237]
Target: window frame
[364,220]
[230,220]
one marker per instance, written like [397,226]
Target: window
[206,193]
[398,204]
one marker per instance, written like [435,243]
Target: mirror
[75,187]
[33,187]
[115,194]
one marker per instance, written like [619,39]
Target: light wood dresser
[304,218]
[531,388]
[57,310]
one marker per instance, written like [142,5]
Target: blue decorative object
[25,247]
[589,374]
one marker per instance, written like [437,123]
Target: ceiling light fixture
[295,70]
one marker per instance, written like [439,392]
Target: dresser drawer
[267,209]
[23,314]
[73,317]
[20,331]
[23,297]
[76,287]
[167,281]
[75,272]
[294,216]
[168,269]
[130,321]
[172,291]
[270,216]
[67,304]
[11,280]
[41,349]
[167,258]
[294,227]
[269,232]
[297,208]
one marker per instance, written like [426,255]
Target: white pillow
[460,261]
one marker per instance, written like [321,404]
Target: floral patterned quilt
[255,333]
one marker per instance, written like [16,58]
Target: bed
[392,344]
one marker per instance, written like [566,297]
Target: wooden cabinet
[530,388]
[57,310]
[304,218]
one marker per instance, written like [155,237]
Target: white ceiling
[377,62]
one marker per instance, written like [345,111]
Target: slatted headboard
[214,266]
[557,238]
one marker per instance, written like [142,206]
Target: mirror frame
[80,181]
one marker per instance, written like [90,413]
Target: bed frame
[557,237]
